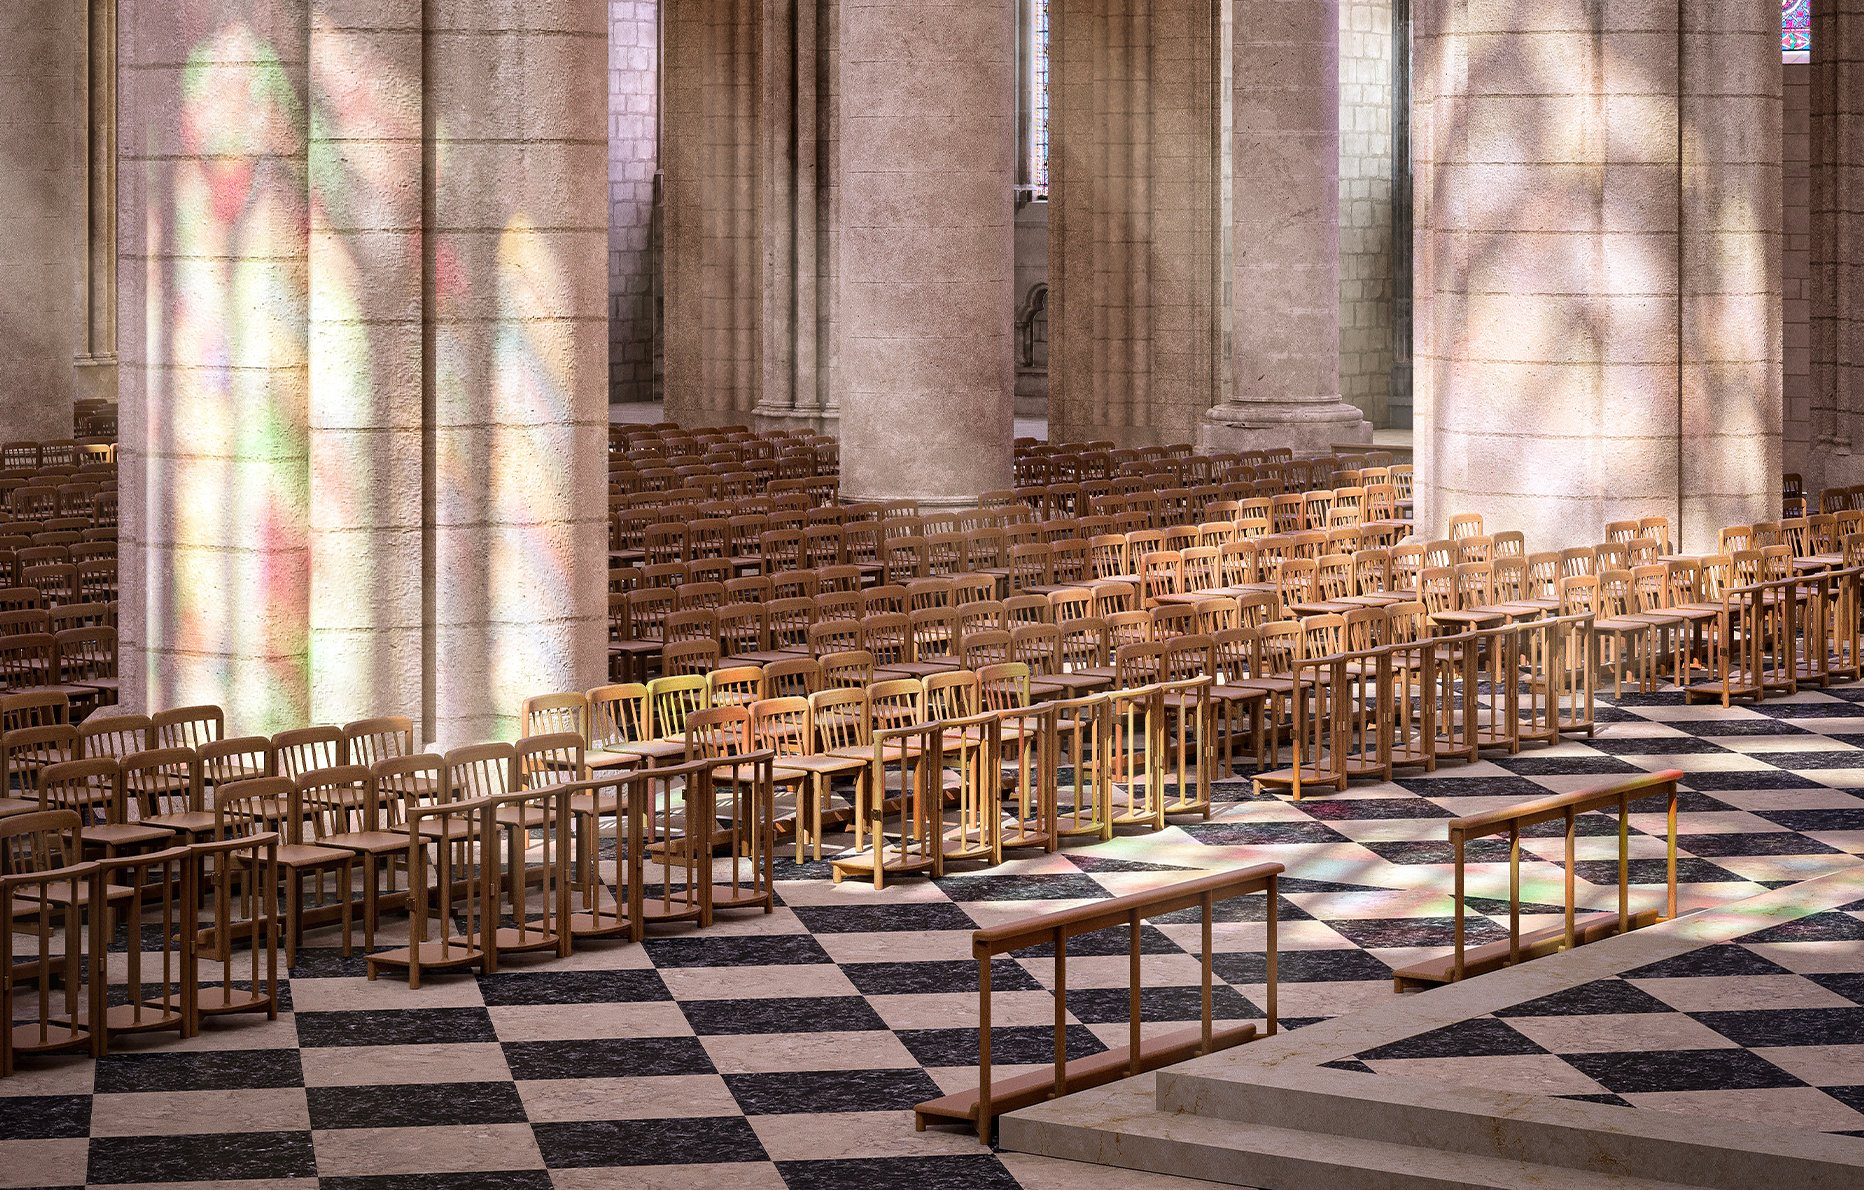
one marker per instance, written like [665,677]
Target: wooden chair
[253,807]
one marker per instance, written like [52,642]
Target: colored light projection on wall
[1039,131]
[365,378]
[226,390]
[1796,25]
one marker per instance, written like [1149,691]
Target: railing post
[1572,832]
[983,1046]
[1061,1012]
[1514,894]
[1670,854]
[1271,944]
[1624,863]
[1209,908]
[1133,1010]
[1456,969]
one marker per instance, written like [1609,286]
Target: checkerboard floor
[1768,1028]
[789,1049]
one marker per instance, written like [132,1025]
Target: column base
[822,421]
[1304,429]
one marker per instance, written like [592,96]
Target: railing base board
[1080,1074]
[1535,944]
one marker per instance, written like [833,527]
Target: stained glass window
[1039,106]
[1796,25]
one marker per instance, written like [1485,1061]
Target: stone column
[518,237]
[634,162]
[713,158]
[1598,277]
[42,246]
[1135,206]
[928,103]
[97,359]
[366,397]
[1836,458]
[749,235]
[213,358]
[1285,278]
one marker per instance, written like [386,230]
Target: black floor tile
[1601,997]
[1830,926]
[1723,959]
[1262,834]
[1714,782]
[1043,887]
[818,1091]
[606,1057]
[1817,820]
[1651,873]
[515,1179]
[1236,909]
[1345,964]
[981,1172]
[1376,933]
[1437,851]
[594,1144]
[572,987]
[1812,760]
[45,1117]
[1480,1037]
[203,1070]
[1096,863]
[1365,809]
[1751,843]
[1654,745]
[1681,1070]
[1608,1100]
[700,950]
[1788,1026]
[420,1106]
[1103,1006]
[1849,985]
[1009,1045]
[1740,727]
[935,976]
[883,919]
[1111,941]
[225,1157]
[427,1026]
[810,1014]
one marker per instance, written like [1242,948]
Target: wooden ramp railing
[992,1099]
[1574,929]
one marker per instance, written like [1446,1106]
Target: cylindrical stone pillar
[1285,252]
[42,249]
[928,108]
[1598,249]
[1836,458]
[366,412]
[212,343]
[518,242]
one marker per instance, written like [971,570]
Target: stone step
[1524,1127]
[1119,1125]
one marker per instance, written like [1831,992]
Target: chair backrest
[188,727]
[258,805]
[304,749]
[87,787]
[557,758]
[338,800]
[115,736]
[480,770]
[381,738]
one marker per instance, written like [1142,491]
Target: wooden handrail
[1512,821]
[1137,1056]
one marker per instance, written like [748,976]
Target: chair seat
[311,855]
[370,842]
[1619,627]
[186,822]
[125,834]
[10,806]
[612,760]
[828,765]
[654,749]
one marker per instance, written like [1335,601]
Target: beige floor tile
[652,1098]
[958,1010]
[1048,1173]
[1539,1074]
[575,1022]
[351,995]
[747,1175]
[1811,958]
[851,1135]
[359,1152]
[1795,1109]
[1731,993]
[1820,1065]
[767,1054]
[741,983]
[280,1109]
[25,1163]
[1619,1033]
[354,1066]
[951,945]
